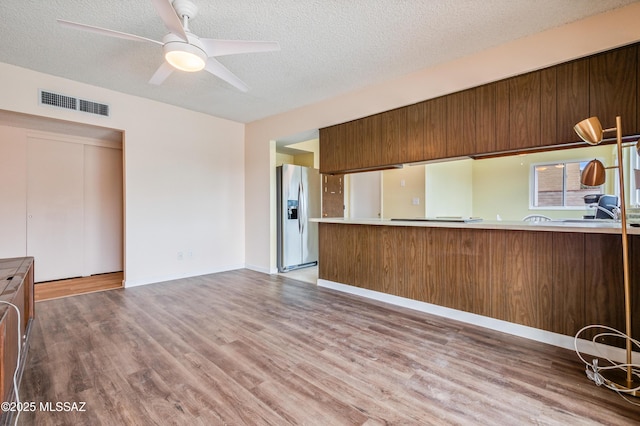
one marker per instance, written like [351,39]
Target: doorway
[67,192]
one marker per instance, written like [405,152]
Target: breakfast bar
[556,276]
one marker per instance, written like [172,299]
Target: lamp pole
[625,254]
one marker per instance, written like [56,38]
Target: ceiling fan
[183,50]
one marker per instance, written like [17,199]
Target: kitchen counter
[543,275]
[599,226]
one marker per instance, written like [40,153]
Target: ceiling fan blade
[220,71]
[170,18]
[231,47]
[104,31]
[161,74]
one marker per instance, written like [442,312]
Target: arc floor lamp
[590,130]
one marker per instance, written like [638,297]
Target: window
[557,185]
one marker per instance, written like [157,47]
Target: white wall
[365,201]
[184,176]
[13,210]
[577,39]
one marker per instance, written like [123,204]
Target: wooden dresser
[16,287]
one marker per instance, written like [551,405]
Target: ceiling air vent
[69,102]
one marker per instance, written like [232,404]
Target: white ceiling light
[185,57]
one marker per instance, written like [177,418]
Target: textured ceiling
[328,47]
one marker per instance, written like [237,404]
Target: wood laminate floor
[244,348]
[74,286]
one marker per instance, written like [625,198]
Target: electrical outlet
[416,201]
[180,255]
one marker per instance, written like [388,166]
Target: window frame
[533,185]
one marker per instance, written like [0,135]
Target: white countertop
[599,226]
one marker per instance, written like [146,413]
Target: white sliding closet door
[102,210]
[55,208]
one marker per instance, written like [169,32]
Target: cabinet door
[461,123]
[394,136]
[613,88]
[503,117]
[367,142]
[349,135]
[573,98]
[415,132]
[524,117]
[435,128]
[548,106]
[330,150]
[486,119]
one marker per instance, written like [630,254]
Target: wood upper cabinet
[331,149]
[503,116]
[486,118]
[638,89]
[613,88]
[435,128]
[532,110]
[572,98]
[461,123]
[368,142]
[524,111]
[548,106]
[393,126]
[415,132]
[352,145]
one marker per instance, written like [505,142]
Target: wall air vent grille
[94,108]
[69,102]
[57,100]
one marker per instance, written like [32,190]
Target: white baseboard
[261,269]
[164,278]
[555,339]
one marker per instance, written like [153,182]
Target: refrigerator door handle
[300,208]
[303,208]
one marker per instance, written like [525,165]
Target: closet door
[55,210]
[102,210]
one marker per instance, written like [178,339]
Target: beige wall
[283,159]
[400,188]
[449,188]
[184,191]
[577,39]
[501,185]
[305,160]
[308,160]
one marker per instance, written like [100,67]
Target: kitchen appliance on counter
[605,206]
[298,199]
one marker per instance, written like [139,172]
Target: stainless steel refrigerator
[298,199]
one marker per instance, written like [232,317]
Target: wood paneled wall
[553,281]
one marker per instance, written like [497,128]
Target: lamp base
[617,380]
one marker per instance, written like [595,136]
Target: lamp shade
[593,174]
[589,130]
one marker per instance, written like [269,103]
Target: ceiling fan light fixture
[185,57]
